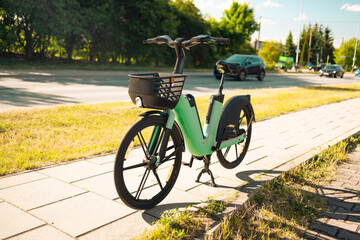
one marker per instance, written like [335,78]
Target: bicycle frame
[199,141]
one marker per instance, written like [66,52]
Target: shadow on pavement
[19,97]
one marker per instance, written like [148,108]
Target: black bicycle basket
[154,90]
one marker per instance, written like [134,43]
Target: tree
[347,50]
[142,20]
[270,52]
[289,48]
[321,44]
[328,45]
[238,24]
[7,28]
[191,23]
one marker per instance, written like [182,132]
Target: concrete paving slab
[103,160]
[186,178]
[81,214]
[45,232]
[224,188]
[102,184]
[126,228]
[14,221]
[9,181]
[35,194]
[74,171]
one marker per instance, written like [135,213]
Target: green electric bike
[149,157]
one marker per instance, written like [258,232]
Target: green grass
[184,224]
[175,224]
[36,137]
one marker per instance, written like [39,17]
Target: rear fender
[231,112]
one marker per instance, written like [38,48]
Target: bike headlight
[138,101]
[334,71]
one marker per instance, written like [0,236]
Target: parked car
[317,67]
[333,70]
[249,65]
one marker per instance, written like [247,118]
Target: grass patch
[184,224]
[284,207]
[35,137]
[175,224]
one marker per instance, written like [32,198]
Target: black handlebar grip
[221,40]
[150,40]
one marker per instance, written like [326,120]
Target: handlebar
[165,39]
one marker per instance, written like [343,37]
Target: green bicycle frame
[199,142]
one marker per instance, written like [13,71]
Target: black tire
[139,182]
[239,149]
[320,75]
[342,76]
[262,75]
[242,76]
[334,75]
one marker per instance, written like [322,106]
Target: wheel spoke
[226,151]
[143,144]
[158,141]
[158,179]
[142,183]
[241,117]
[134,166]
[236,151]
[167,158]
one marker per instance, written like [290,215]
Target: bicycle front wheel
[232,156]
[140,179]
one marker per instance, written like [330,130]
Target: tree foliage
[347,50]
[270,52]
[322,44]
[114,30]
[290,47]
[238,24]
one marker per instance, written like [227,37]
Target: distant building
[257,43]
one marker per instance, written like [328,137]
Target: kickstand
[206,169]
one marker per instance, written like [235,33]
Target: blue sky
[278,17]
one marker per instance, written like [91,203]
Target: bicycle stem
[180,57]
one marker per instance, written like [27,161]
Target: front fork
[162,138]
[168,128]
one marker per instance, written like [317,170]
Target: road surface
[29,88]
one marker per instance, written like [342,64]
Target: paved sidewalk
[79,201]
[342,219]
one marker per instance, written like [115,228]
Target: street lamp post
[297,49]
[354,58]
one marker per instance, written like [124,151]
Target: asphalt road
[29,88]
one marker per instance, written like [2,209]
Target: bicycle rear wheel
[140,180]
[232,156]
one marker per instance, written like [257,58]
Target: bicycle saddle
[227,66]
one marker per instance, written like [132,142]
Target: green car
[285,62]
